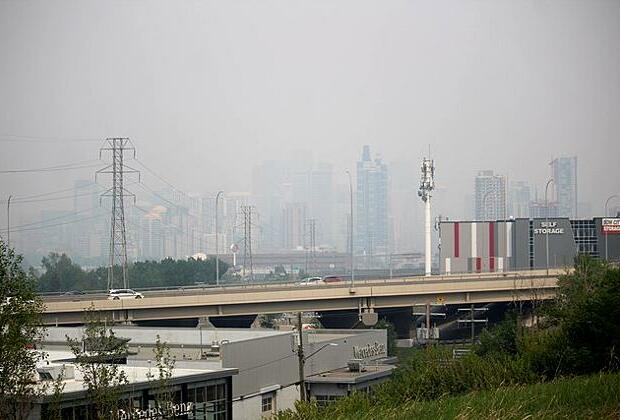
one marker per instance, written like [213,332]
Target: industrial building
[198,394]
[264,363]
[523,244]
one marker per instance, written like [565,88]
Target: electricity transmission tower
[118,239]
[247,240]
[311,250]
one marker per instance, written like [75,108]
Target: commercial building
[490,196]
[372,224]
[197,394]
[265,362]
[521,244]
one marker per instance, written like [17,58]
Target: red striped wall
[456,240]
[491,246]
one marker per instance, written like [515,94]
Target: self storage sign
[611,226]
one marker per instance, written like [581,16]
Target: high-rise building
[564,172]
[538,209]
[519,200]
[321,204]
[371,219]
[294,218]
[490,196]
[403,197]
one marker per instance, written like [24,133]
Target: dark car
[332,279]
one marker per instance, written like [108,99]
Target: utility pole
[611,197]
[118,239]
[472,319]
[427,184]
[428,314]
[547,223]
[217,234]
[351,229]
[301,360]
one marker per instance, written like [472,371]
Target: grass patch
[576,398]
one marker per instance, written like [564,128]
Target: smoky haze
[207,90]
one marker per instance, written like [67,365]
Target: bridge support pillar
[402,320]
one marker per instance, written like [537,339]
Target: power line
[152,191]
[55,168]
[160,177]
[57,224]
[23,197]
[52,219]
[6,138]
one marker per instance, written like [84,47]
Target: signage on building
[549,228]
[611,226]
[369,350]
[173,410]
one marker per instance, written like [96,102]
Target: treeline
[60,274]
[577,334]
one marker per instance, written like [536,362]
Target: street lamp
[8,222]
[351,229]
[547,222]
[217,247]
[8,231]
[611,197]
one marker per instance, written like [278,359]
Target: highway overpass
[363,296]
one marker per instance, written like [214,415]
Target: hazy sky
[206,89]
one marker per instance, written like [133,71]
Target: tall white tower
[427,184]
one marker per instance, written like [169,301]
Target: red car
[332,279]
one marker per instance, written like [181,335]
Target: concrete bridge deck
[365,295]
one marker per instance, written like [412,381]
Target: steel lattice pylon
[118,239]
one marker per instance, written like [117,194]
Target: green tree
[501,338]
[61,274]
[20,316]
[583,324]
[164,395]
[96,356]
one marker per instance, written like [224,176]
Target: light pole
[351,229]
[8,222]
[611,197]
[8,232]
[217,243]
[547,222]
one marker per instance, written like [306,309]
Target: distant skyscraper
[372,206]
[564,172]
[294,218]
[403,197]
[539,210]
[519,200]
[321,204]
[490,196]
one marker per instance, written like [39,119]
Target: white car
[311,281]
[116,294]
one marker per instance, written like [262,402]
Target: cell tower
[118,239]
[427,184]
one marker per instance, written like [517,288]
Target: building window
[323,400]
[267,403]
